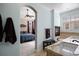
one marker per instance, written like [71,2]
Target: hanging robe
[10,35]
[1,29]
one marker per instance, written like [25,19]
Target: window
[71,24]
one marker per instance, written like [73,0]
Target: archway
[28,25]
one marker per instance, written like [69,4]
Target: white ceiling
[61,7]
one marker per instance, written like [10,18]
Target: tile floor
[28,49]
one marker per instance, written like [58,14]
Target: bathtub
[64,48]
[71,45]
[71,38]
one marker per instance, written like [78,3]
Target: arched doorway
[28,32]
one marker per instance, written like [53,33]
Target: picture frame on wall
[57,30]
[47,33]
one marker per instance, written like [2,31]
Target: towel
[1,29]
[10,35]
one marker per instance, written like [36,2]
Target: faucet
[75,40]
